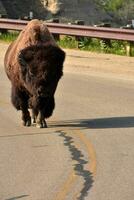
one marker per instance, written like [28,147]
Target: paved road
[87,152]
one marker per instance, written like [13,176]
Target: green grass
[68,42]
[86,44]
[8,37]
[95,45]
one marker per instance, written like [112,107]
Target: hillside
[72,10]
[17,8]
[92,12]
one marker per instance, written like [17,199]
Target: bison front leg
[26,117]
[40,122]
[20,101]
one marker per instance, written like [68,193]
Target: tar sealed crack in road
[77,155]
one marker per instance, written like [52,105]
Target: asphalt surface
[87,150]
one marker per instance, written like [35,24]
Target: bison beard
[34,65]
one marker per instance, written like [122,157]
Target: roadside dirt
[92,63]
[100,64]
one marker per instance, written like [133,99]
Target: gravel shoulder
[98,64]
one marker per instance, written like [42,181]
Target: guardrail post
[79,22]
[3,31]
[3,15]
[31,15]
[78,38]
[104,42]
[129,46]
[56,36]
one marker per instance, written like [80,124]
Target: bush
[95,45]
[113,5]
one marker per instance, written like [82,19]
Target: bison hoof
[27,123]
[41,124]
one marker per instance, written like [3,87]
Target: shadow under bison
[34,65]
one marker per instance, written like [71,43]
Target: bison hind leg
[26,118]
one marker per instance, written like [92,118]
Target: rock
[54,6]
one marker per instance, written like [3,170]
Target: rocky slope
[65,10]
[91,11]
[86,10]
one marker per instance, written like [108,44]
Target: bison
[34,65]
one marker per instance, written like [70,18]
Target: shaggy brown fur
[34,65]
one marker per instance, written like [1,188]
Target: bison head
[41,68]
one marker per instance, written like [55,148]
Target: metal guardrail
[74,30]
